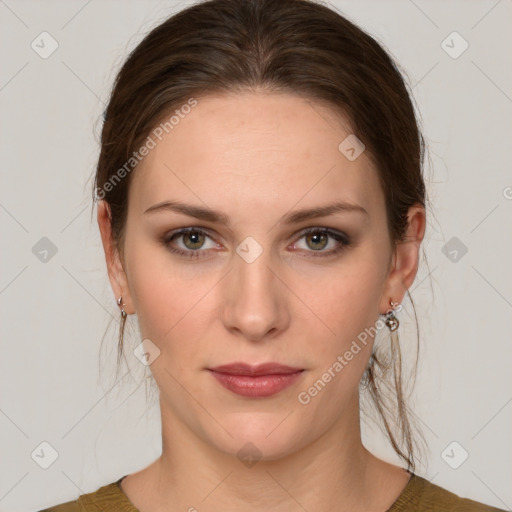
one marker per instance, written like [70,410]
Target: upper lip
[261,369]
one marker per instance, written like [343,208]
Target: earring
[391,320]
[119,302]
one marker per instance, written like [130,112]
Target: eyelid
[208,232]
[321,229]
[342,241]
[177,233]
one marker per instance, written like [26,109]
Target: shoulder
[69,506]
[108,497]
[420,495]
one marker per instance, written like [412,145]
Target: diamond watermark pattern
[44,250]
[44,455]
[454,455]
[454,249]
[454,45]
[146,352]
[351,147]
[249,454]
[249,250]
[44,45]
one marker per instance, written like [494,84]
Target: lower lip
[257,386]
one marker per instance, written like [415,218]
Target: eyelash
[341,238]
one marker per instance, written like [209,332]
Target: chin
[258,437]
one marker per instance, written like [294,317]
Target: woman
[262,206]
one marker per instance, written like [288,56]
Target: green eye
[193,241]
[317,239]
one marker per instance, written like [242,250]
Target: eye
[192,242]
[317,239]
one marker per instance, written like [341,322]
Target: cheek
[335,304]
[345,299]
[171,304]
[349,307]
[347,302]
[157,296]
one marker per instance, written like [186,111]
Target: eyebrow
[207,214]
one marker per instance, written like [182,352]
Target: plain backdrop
[55,298]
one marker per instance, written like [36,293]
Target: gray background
[56,308]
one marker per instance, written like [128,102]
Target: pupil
[316,238]
[195,238]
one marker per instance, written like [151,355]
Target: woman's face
[256,288]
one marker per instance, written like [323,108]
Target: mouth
[256,381]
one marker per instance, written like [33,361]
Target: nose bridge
[256,304]
[252,271]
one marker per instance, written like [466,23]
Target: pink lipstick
[256,381]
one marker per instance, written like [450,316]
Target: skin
[256,157]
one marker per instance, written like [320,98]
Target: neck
[335,472]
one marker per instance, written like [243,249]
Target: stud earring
[119,302]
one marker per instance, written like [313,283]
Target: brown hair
[295,46]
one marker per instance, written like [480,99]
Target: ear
[116,273]
[405,259]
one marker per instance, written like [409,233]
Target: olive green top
[419,495]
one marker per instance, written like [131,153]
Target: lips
[256,381]
[261,369]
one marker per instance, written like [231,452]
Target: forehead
[257,149]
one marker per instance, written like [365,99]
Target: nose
[255,299]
